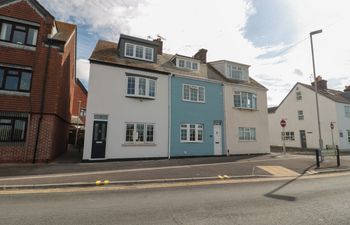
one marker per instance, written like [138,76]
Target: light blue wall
[191,112]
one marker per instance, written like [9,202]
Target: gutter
[169,115]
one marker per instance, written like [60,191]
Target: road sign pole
[332,127]
[284,141]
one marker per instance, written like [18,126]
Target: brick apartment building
[37,76]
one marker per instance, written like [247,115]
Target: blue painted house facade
[197,117]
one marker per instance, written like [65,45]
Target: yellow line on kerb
[279,171]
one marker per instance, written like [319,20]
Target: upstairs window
[299,96]
[18,33]
[347,111]
[141,87]
[300,115]
[193,93]
[139,52]
[244,100]
[187,64]
[236,73]
[15,79]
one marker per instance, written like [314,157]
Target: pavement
[74,174]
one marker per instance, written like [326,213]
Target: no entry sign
[283,123]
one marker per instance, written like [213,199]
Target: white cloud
[83,69]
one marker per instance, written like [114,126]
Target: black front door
[99,140]
[303,139]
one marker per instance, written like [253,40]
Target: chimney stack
[160,45]
[321,84]
[347,89]
[201,55]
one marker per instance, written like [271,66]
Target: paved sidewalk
[163,170]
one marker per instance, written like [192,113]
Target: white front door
[217,140]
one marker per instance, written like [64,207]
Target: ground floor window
[288,136]
[247,134]
[13,129]
[191,132]
[139,133]
[348,131]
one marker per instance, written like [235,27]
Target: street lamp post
[316,91]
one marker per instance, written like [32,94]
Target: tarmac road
[311,201]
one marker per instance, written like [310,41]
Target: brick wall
[58,95]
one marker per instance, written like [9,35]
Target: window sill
[245,109]
[18,46]
[191,142]
[14,93]
[193,101]
[138,145]
[140,97]
[244,141]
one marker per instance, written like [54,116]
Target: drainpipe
[169,114]
[224,122]
[42,101]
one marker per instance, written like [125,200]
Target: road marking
[165,185]
[279,171]
[311,172]
[139,169]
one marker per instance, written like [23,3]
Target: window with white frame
[139,133]
[288,136]
[247,134]
[236,72]
[141,87]
[193,93]
[138,52]
[245,100]
[187,64]
[299,96]
[347,111]
[300,115]
[191,132]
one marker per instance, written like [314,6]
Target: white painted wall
[236,118]
[107,90]
[288,110]
[342,125]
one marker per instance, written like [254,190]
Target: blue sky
[269,35]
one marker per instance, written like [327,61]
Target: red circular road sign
[283,123]
[332,126]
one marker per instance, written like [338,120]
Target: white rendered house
[299,110]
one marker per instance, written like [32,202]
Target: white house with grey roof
[298,108]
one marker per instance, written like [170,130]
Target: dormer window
[139,52]
[236,72]
[187,64]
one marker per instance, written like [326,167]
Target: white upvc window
[139,133]
[191,133]
[141,87]
[193,93]
[245,100]
[247,134]
[300,115]
[187,64]
[347,111]
[236,72]
[138,52]
[288,136]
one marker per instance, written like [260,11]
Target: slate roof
[106,52]
[337,96]
[272,109]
